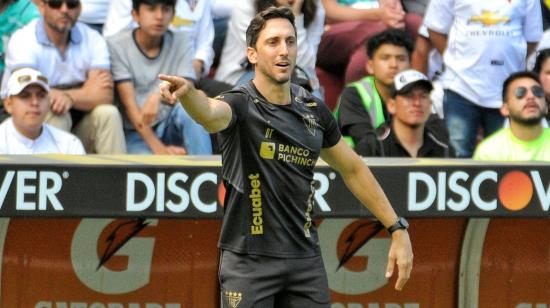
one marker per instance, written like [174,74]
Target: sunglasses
[27,78]
[56,4]
[537,91]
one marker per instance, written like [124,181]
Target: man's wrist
[400,224]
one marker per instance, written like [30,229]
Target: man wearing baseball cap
[25,132]
[410,107]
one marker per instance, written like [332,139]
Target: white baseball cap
[404,81]
[24,77]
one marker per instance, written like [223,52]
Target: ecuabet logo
[457,190]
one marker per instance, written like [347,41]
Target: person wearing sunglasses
[525,139]
[25,132]
[75,59]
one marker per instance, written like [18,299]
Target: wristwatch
[400,224]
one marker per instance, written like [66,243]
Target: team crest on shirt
[233,298]
[311,123]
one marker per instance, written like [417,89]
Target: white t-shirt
[30,47]
[197,22]
[487,41]
[222,8]
[50,141]
[94,11]
[234,50]
[435,60]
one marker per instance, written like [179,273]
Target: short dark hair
[392,37]
[542,56]
[137,3]
[258,23]
[516,76]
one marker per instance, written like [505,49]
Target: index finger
[168,78]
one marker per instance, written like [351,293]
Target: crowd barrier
[141,232]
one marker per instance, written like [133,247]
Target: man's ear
[369,66]
[252,55]
[8,104]
[135,15]
[390,105]
[41,6]
[504,109]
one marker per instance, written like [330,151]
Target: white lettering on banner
[543,194]
[456,184]
[476,185]
[26,187]
[155,192]
[85,260]
[343,280]
[376,305]
[320,191]
[63,304]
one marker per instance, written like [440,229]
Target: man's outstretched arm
[364,187]
[214,115]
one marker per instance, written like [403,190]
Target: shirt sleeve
[532,22]
[204,38]
[236,102]
[331,133]
[120,63]
[100,53]
[18,53]
[439,15]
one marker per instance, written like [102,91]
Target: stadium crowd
[414,78]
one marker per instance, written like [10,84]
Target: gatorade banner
[161,263]
[166,263]
[191,187]
[107,263]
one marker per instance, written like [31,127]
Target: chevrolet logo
[488,18]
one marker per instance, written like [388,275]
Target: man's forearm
[366,189]
[438,40]
[86,100]
[206,111]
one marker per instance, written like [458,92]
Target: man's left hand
[402,255]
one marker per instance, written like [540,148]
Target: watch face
[404,222]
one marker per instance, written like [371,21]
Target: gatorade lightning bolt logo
[120,236]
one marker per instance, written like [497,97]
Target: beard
[526,121]
[61,28]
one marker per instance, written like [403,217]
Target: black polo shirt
[268,155]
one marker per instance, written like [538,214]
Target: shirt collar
[28,143]
[75,36]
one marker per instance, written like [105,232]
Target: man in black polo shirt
[407,135]
[271,135]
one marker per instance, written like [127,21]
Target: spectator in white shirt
[25,132]
[75,60]
[482,43]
